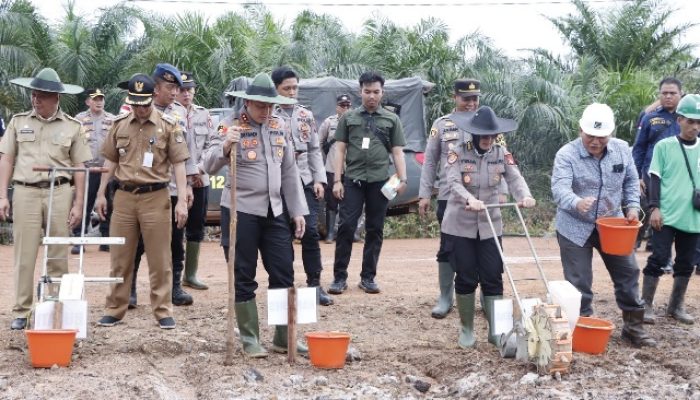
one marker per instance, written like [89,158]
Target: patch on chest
[451,157]
[251,155]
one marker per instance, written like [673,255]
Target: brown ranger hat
[140,88]
[467,87]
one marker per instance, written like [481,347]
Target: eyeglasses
[345,105]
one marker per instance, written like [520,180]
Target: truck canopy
[319,95]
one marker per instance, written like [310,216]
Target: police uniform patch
[452,157]
[279,140]
[450,135]
[274,124]
[497,178]
[179,138]
[252,155]
[449,123]
[222,129]
[470,146]
[280,153]
[433,132]
[254,142]
[466,179]
[245,143]
[451,146]
[302,113]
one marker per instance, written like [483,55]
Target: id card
[148,159]
[365,143]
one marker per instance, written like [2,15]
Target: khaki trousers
[147,214]
[30,208]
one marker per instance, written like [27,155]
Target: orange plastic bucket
[592,335]
[617,236]
[49,347]
[327,349]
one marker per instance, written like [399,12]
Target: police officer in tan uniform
[199,127]
[474,170]
[168,81]
[326,135]
[265,169]
[43,136]
[96,123]
[444,136]
[302,135]
[140,150]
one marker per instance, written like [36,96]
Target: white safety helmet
[597,120]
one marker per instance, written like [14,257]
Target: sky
[513,25]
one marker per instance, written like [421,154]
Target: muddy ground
[398,342]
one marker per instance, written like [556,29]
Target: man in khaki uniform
[326,135]
[43,136]
[96,123]
[140,149]
[168,81]
[265,169]
[302,135]
[444,136]
[199,126]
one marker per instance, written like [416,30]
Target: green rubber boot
[191,266]
[247,318]
[279,342]
[465,306]
[490,316]
[446,279]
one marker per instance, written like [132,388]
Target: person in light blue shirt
[594,176]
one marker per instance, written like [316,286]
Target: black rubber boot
[649,285]
[247,319]
[446,280]
[180,297]
[330,226]
[676,308]
[633,329]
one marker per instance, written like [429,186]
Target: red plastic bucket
[617,235]
[592,335]
[49,347]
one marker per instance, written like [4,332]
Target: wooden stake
[230,335]
[291,324]
[58,315]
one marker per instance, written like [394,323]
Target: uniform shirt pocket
[200,136]
[61,144]
[496,172]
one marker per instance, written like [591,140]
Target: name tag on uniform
[148,159]
[365,143]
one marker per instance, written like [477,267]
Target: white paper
[307,312]
[365,143]
[43,315]
[277,307]
[71,287]
[503,316]
[148,159]
[75,317]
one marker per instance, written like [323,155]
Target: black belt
[61,180]
[136,189]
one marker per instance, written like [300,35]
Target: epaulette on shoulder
[302,106]
[80,115]
[120,117]
[23,113]
[73,119]
[198,107]
[444,117]
[169,119]
[109,115]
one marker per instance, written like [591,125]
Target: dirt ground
[399,344]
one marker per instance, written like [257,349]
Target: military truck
[405,97]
